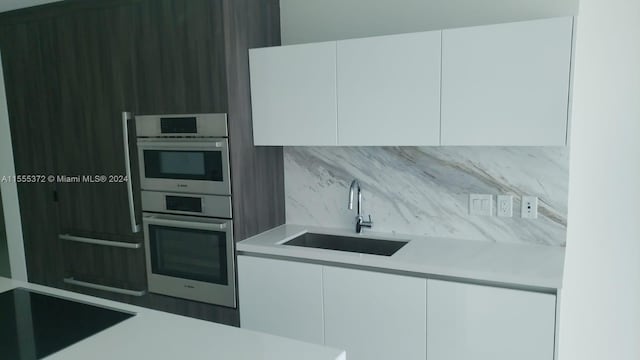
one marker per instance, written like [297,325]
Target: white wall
[10,192]
[322,20]
[600,307]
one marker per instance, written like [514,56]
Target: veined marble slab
[425,190]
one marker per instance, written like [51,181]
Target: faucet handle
[360,223]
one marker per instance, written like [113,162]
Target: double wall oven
[186,203]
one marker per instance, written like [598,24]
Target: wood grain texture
[55,9]
[94,60]
[32,108]
[104,265]
[72,68]
[257,173]
[179,57]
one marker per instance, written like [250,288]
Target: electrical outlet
[480,204]
[505,206]
[529,207]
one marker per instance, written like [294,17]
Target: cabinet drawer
[117,267]
[375,315]
[281,297]
[486,323]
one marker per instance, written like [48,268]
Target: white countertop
[157,335]
[521,265]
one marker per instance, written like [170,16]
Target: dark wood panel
[95,62]
[47,11]
[70,80]
[110,266]
[257,173]
[179,57]
[29,79]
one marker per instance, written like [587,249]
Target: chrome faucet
[360,223]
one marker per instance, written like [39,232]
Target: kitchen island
[156,335]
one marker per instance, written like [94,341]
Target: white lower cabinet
[375,315]
[281,297]
[486,323]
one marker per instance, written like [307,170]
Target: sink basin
[347,243]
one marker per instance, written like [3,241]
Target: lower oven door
[190,257]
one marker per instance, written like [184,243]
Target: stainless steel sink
[347,243]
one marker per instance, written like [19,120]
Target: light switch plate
[505,206]
[480,204]
[529,207]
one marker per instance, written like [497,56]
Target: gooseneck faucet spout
[356,190]
[355,187]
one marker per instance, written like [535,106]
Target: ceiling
[6,5]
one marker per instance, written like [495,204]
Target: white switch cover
[505,206]
[529,207]
[480,204]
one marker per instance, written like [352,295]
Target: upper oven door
[198,166]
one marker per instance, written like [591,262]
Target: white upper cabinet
[293,94]
[389,90]
[375,316]
[496,85]
[486,323]
[507,84]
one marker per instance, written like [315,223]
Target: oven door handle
[186,224]
[126,116]
[152,144]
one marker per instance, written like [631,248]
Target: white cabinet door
[293,94]
[281,297]
[374,315]
[389,90]
[507,84]
[485,323]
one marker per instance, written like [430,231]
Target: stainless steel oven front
[190,165]
[190,257]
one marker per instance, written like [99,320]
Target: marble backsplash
[425,190]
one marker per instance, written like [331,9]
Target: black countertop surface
[33,325]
